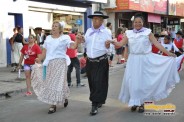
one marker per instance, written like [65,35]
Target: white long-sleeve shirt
[95,43]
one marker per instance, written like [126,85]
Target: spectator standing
[179,42]
[109,27]
[119,49]
[173,34]
[83,63]
[72,53]
[13,64]
[18,42]
[112,48]
[29,53]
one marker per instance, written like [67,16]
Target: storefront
[182,24]
[153,12]
[158,13]
[12,14]
[30,16]
[74,12]
[176,12]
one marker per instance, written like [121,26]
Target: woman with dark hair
[18,42]
[29,53]
[169,46]
[119,49]
[148,76]
[155,49]
[179,42]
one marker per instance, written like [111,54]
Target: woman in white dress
[53,89]
[148,76]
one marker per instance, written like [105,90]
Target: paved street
[28,109]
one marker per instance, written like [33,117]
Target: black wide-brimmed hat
[157,35]
[38,28]
[98,14]
[179,32]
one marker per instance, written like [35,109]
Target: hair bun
[138,15]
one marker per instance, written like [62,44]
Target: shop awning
[76,3]
[154,18]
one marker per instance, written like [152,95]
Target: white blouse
[56,48]
[139,43]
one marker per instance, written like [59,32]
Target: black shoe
[66,103]
[14,69]
[52,109]
[134,108]
[99,105]
[70,85]
[141,108]
[94,110]
[81,85]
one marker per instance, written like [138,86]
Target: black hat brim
[103,16]
[179,33]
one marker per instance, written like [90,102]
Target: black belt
[18,42]
[98,59]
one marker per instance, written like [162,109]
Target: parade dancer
[148,76]
[97,66]
[53,89]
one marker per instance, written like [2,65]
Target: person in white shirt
[173,34]
[53,89]
[97,66]
[169,46]
[112,48]
[109,27]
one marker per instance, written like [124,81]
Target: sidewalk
[11,85]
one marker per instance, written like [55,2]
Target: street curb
[10,94]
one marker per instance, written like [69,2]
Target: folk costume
[53,89]
[148,76]
[97,66]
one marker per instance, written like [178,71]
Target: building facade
[30,14]
[158,14]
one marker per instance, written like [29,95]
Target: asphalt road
[28,109]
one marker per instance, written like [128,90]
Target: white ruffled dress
[148,76]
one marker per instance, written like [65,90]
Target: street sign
[79,21]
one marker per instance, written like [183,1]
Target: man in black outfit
[97,66]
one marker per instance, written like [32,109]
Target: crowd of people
[153,62]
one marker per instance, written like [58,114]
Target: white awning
[40,19]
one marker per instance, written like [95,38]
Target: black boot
[94,110]
[141,108]
[99,105]
[66,103]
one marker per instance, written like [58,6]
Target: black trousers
[177,53]
[74,63]
[98,75]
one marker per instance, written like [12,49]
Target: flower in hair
[62,23]
[132,19]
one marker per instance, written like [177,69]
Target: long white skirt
[148,77]
[54,89]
